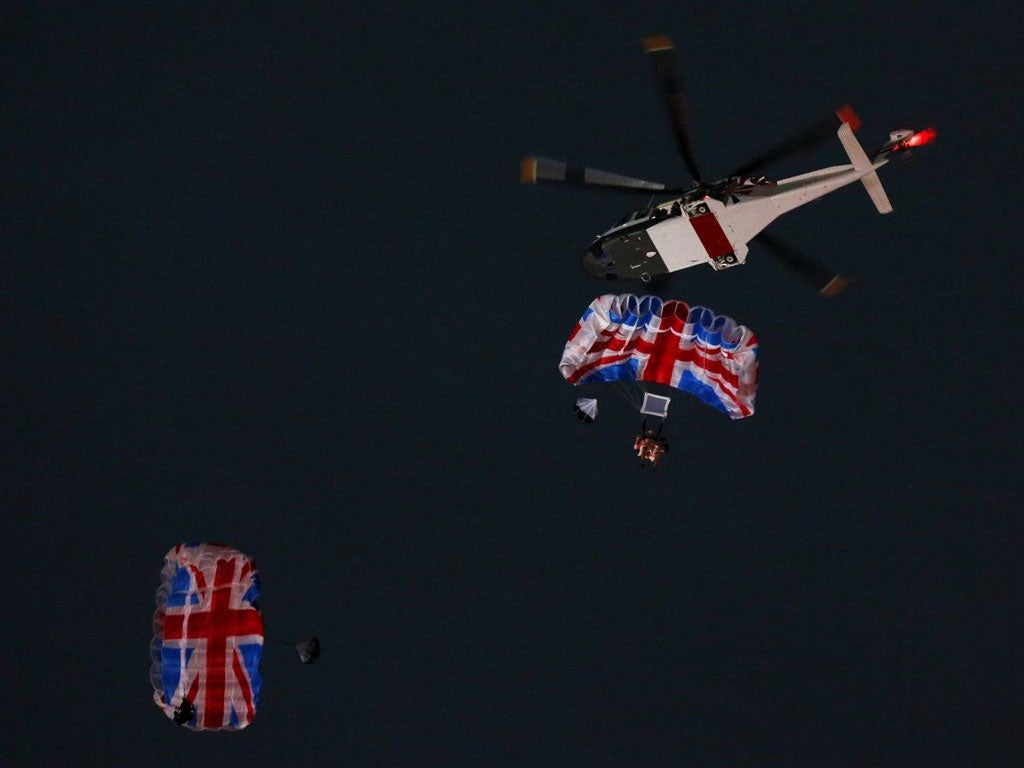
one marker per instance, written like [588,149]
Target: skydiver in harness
[649,445]
[184,712]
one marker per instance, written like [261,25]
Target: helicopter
[713,223]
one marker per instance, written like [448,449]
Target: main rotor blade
[536,170]
[802,142]
[662,52]
[823,280]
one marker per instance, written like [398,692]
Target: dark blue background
[270,279]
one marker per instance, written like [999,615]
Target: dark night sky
[270,279]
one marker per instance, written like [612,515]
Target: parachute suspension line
[638,392]
[622,392]
[628,390]
[308,649]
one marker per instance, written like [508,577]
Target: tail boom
[861,164]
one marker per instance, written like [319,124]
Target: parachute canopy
[648,339]
[207,638]
[586,409]
[308,650]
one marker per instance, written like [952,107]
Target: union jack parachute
[629,338]
[207,638]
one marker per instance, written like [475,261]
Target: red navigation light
[847,115]
[919,139]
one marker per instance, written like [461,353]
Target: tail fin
[860,161]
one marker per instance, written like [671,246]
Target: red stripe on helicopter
[711,235]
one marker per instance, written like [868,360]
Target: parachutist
[184,712]
[649,445]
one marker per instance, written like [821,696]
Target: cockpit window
[643,213]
